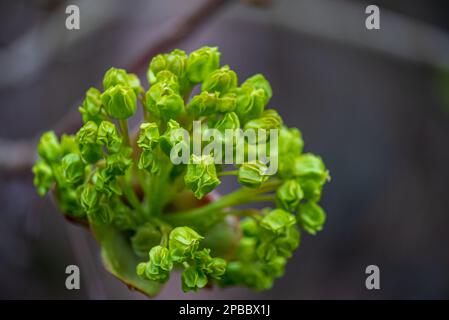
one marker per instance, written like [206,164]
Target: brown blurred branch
[17,157]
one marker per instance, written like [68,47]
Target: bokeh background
[373,104]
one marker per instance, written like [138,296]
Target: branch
[17,157]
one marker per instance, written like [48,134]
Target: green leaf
[146,237]
[120,260]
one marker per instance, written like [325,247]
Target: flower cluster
[183,249]
[138,203]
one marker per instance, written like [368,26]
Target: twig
[18,157]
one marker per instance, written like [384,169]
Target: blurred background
[374,104]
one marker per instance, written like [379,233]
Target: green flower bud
[183,242]
[193,279]
[215,268]
[69,201]
[89,198]
[249,227]
[73,168]
[118,163]
[87,140]
[252,174]
[149,136]
[290,141]
[91,107]
[275,267]
[174,62]
[289,194]
[201,176]
[69,144]
[247,248]
[115,76]
[164,102]
[212,267]
[168,78]
[288,242]
[269,119]
[91,153]
[229,121]
[157,64]
[310,166]
[201,63]
[222,80]
[87,133]
[134,83]
[227,102]
[250,103]
[160,257]
[311,217]
[49,148]
[277,221]
[119,101]
[266,251]
[310,172]
[258,81]
[140,269]
[145,238]
[107,135]
[167,140]
[248,274]
[154,273]
[43,177]
[149,162]
[106,183]
[203,104]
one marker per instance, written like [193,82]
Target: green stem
[125,133]
[213,211]
[228,173]
[265,198]
[132,197]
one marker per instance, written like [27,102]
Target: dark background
[371,103]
